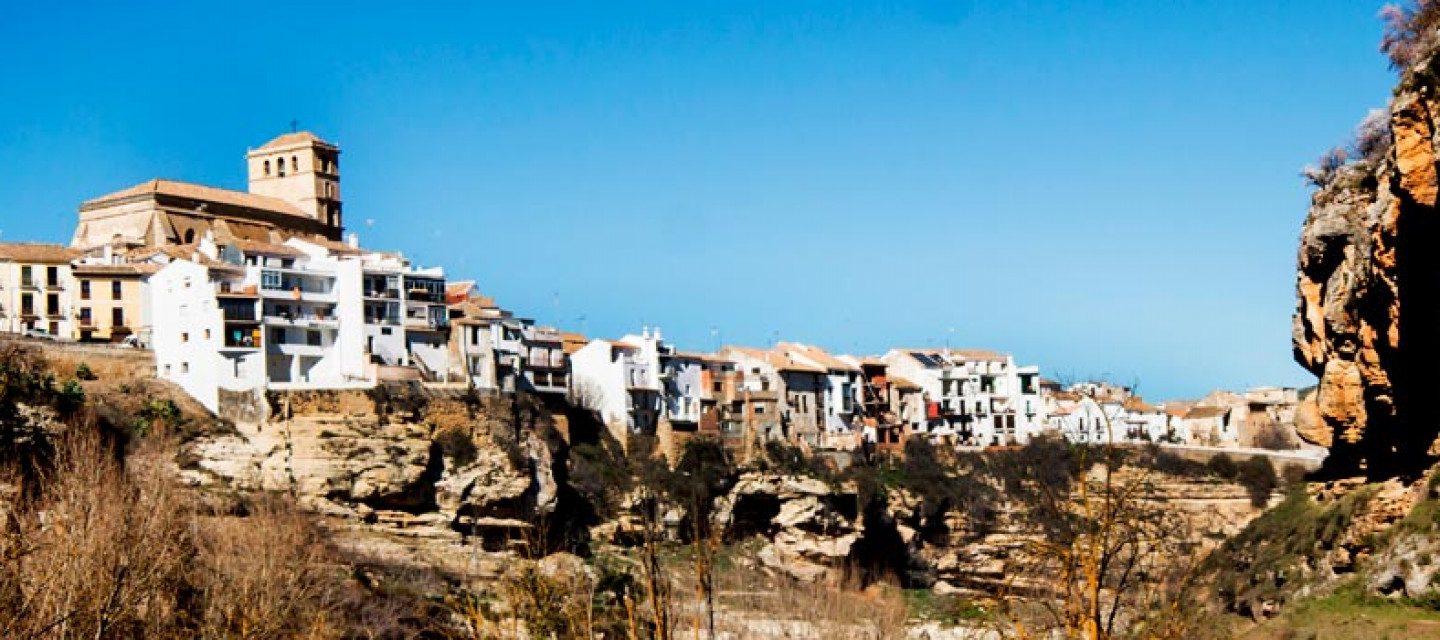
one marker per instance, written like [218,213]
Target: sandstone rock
[1367,307]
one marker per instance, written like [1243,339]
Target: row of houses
[242,292]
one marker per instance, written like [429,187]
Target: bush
[457,445]
[1223,466]
[1257,475]
[83,372]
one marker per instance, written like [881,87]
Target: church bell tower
[302,170]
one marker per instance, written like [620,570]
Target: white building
[620,381]
[976,397]
[250,316]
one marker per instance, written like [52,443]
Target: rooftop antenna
[949,331]
[294,125]
[714,338]
[581,320]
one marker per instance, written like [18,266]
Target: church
[294,192]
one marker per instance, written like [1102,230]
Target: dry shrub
[266,575]
[1410,31]
[98,553]
[754,604]
[111,550]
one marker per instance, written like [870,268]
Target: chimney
[353,240]
[645,332]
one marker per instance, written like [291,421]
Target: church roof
[175,188]
[298,137]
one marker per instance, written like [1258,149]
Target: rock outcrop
[383,478]
[1368,317]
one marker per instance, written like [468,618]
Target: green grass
[923,604]
[1348,613]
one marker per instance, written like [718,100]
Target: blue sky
[1101,188]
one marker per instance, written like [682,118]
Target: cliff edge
[1368,316]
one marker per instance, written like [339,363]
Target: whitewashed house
[249,316]
[975,397]
[620,380]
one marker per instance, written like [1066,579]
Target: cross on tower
[294,126]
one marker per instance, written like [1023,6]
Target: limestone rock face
[384,478]
[1367,321]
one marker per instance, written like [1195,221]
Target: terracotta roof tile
[37,253]
[199,192]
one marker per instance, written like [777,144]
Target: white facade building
[254,316]
[976,397]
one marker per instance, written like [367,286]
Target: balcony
[29,283]
[385,294]
[303,320]
[426,324]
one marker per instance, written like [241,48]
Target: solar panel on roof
[925,359]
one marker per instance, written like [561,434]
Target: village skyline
[590,186]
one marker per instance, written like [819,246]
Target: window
[270,279]
[84,289]
[719,387]
[280,167]
[52,276]
[184,367]
[115,288]
[26,278]
[267,167]
[189,236]
[52,304]
[84,316]
[167,369]
[312,338]
[294,164]
[207,334]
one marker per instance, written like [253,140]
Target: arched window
[294,164]
[280,164]
[189,236]
[267,167]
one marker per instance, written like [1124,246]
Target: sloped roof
[1206,412]
[958,355]
[137,269]
[817,355]
[175,188]
[1135,403]
[902,383]
[37,253]
[298,137]
[265,248]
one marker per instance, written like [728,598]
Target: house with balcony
[500,353]
[973,397]
[837,390]
[546,367]
[35,284]
[248,316]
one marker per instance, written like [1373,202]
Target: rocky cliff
[1368,317]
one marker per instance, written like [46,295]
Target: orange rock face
[1367,322]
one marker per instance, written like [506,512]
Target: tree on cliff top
[1410,31]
